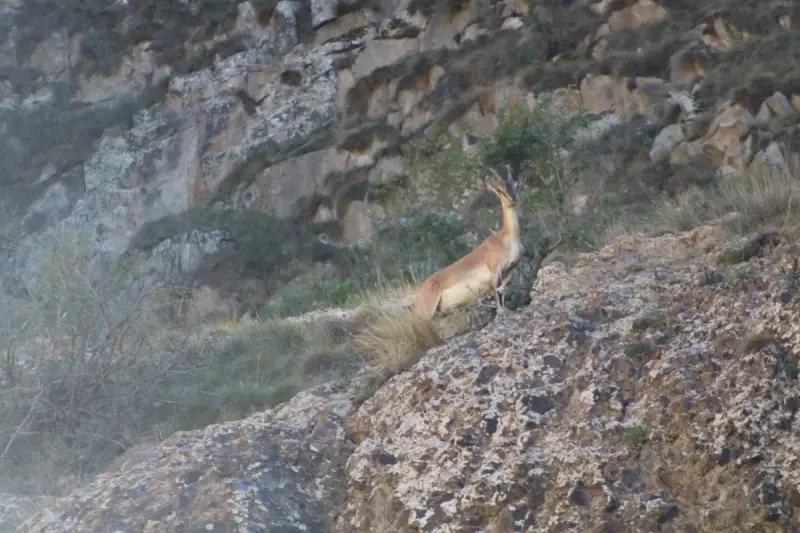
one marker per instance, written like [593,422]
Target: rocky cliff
[133,121]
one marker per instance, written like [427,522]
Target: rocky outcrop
[649,386]
[645,388]
[277,471]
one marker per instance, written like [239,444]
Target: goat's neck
[510,222]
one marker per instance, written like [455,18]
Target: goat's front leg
[498,298]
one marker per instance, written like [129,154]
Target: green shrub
[636,436]
[404,248]
[532,139]
[417,245]
[442,169]
[308,293]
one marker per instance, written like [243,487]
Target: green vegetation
[636,436]
[638,348]
[534,143]
[259,365]
[651,320]
[405,249]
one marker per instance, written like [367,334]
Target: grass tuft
[760,198]
[394,337]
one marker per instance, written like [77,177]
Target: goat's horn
[493,171]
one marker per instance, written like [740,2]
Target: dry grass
[765,198]
[386,333]
[390,334]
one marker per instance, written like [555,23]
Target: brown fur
[484,269]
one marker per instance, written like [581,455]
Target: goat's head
[505,189]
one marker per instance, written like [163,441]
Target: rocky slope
[649,387]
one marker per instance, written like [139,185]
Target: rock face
[277,471]
[118,116]
[648,387]
[630,396]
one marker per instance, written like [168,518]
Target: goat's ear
[512,186]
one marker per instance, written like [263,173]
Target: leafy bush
[413,247]
[533,139]
[441,168]
[309,293]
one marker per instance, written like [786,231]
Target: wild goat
[484,269]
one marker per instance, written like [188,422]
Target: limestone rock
[721,35]
[601,93]
[598,93]
[323,11]
[689,62]
[51,207]
[357,225]
[724,137]
[184,254]
[686,152]
[665,142]
[640,13]
[183,155]
[772,159]
[779,105]
[15,509]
